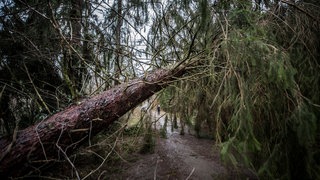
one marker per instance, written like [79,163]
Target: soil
[181,157]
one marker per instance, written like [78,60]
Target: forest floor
[181,157]
[177,156]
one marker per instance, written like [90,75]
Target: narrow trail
[181,157]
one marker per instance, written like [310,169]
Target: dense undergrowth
[256,91]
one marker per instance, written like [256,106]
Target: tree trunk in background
[73,66]
[64,131]
[118,60]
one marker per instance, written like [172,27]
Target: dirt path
[181,157]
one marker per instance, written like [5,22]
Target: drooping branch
[68,128]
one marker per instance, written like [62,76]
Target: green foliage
[148,138]
[304,124]
[165,99]
[149,141]
[29,77]
[261,88]
[54,54]
[163,130]
[264,92]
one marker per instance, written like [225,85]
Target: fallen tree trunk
[60,134]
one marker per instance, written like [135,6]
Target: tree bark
[60,134]
[118,60]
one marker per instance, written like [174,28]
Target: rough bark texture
[64,131]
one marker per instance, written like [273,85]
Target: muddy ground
[181,157]
[177,156]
